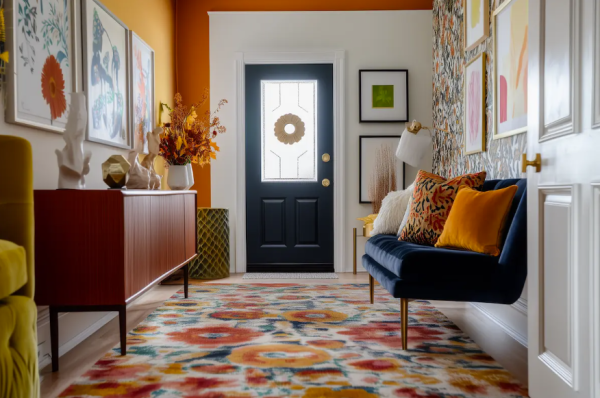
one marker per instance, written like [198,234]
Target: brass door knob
[326,158]
[537,163]
[326,182]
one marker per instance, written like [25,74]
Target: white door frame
[334,57]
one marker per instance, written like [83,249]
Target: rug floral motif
[291,340]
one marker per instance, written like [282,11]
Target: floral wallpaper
[502,157]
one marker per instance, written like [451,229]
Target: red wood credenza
[98,250]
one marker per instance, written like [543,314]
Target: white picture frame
[505,97]
[474,105]
[30,50]
[104,70]
[141,74]
[476,20]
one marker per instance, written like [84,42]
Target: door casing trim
[333,57]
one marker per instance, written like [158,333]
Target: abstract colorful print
[289,340]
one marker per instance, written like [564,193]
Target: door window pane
[289,130]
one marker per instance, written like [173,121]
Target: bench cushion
[13,268]
[410,261]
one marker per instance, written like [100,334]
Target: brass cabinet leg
[404,316]
[372,289]
[354,248]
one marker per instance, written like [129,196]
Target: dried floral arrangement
[188,138]
[383,180]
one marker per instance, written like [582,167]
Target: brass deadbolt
[326,182]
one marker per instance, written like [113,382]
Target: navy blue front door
[289,175]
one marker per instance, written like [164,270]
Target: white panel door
[564,199]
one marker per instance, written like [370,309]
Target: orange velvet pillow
[433,197]
[477,220]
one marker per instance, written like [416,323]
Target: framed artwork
[474,120]
[375,152]
[510,27]
[476,22]
[105,65]
[383,95]
[142,91]
[44,60]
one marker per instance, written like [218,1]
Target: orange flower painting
[53,87]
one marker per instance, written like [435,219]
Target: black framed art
[372,148]
[383,95]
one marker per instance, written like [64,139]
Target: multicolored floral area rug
[289,340]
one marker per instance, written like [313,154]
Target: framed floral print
[476,22]
[106,77]
[142,91]
[474,118]
[44,61]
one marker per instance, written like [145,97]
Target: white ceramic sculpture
[139,177]
[73,162]
[148,162]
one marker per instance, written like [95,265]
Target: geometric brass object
[114,171]
[537,163]
[326,158]
[326,182]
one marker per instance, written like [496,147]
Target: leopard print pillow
[433,197]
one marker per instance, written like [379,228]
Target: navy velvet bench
[415,272]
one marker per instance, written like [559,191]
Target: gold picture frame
[482,59]
[486,25]
[499,10]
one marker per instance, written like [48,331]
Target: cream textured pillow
[406,213]
[392,211]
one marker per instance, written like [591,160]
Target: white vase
[180,177]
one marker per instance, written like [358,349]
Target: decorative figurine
[73,162]
[139,177]
[148,162]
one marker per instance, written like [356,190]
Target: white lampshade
[413,147]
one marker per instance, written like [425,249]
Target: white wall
[370,39]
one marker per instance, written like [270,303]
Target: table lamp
[413,145]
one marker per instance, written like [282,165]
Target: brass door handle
[326,182]
[537,163]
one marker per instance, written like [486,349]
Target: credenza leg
[123,328]
[186,278]
[54,337]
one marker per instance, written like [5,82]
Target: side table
[354,238]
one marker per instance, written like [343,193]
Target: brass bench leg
[372,289]
[404,318]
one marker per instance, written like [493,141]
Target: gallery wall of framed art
[65,46]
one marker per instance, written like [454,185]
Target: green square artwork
[383,96]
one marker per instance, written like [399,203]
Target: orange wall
[193,73]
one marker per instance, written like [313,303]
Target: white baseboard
[44,319]
[511,331]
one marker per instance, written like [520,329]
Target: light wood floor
[73,364]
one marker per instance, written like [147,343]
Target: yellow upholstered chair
[18,314]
